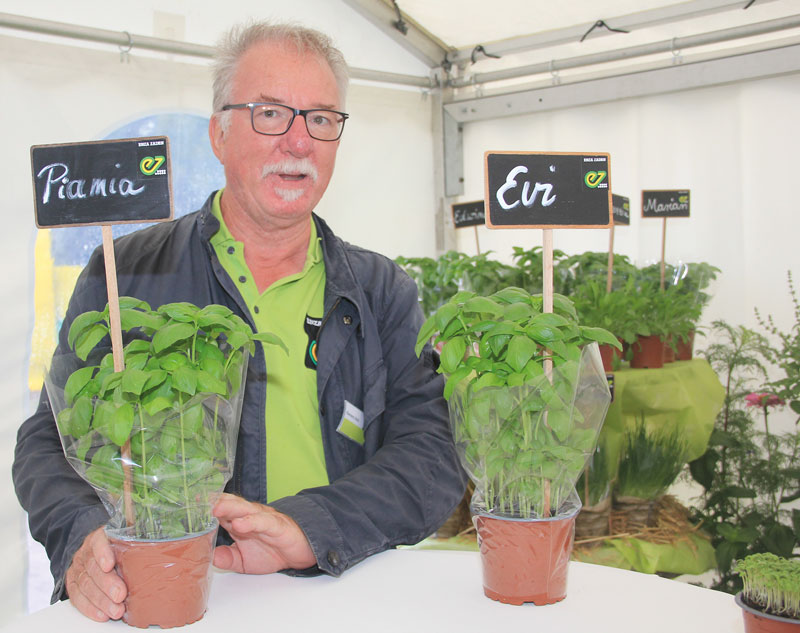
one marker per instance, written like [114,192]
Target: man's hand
[265,540]
[93,586]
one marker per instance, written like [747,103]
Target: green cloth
[292,308]
[690,555]
[684,395]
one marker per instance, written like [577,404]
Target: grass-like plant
[650,461]
[594,484]
[771,583]
[157,439]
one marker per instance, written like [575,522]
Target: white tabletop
[417,591]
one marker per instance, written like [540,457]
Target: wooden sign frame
[573,180]
[674,195]
[102,183]
[469,214]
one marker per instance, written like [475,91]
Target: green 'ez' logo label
[150,164]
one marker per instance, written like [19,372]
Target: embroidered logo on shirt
[312,330]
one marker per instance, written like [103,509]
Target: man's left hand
[265,540]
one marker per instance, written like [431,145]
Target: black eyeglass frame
[295,112]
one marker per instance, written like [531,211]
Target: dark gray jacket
[397,488]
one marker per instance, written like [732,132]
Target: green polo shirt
[292,308]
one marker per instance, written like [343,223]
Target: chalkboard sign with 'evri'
[102,183]
[548,191]
[469,214]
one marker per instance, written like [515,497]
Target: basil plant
[156,440]
[527,396]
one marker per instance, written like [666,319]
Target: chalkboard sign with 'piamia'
[102,183]
[548,191]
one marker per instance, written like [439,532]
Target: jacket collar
[339,275]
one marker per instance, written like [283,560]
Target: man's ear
[216,135]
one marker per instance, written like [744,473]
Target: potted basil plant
[156,440]
[527,396]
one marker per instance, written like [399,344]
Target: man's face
[276,179]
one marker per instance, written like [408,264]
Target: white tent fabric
[719,119]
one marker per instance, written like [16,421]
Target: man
[336,494]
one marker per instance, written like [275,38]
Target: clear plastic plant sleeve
[176,448]
[525,446]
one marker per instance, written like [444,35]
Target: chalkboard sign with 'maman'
[469,214]
[621,209]
[665,204]
[102,183]
[541,190]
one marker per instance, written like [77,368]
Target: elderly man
[309,493]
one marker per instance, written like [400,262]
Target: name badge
[352,423]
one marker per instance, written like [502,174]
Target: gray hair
[242,37]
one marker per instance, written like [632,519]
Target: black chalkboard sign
[665,204]
[469,214]
[102,183]
[621,209]
[538,190]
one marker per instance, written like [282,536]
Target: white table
[421,591]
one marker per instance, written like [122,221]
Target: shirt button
[256,309]
[333,558]
[347,319]
[231,250]
[242,278]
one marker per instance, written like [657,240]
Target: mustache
[291,166]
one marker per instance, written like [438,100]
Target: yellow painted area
[52,289]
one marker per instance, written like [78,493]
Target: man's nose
[297,139]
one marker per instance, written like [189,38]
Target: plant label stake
[672,203]
[537,190]
[470,214]
[621,214]
[101,184]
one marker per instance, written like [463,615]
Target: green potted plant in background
[592,266]
[594,489]
[695,279]
[650,462]
[616,311]
[770,598]
[527,396]
[156,440]
[663,316]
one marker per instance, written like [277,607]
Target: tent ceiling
[478,42]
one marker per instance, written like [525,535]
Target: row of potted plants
[654,323]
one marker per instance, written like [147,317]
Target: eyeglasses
[274,119]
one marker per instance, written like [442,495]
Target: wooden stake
[477,243]
[547,273]
[119,358]
[610,258]
[663,248]
[547,306]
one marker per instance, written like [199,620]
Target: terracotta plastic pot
[608,353]
[756,621]
[648,353]
[168,581]
[685,348]
[525,560]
